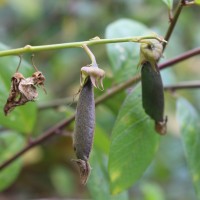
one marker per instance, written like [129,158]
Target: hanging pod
[91,76]
[152,86]
[84,129]
[153,96]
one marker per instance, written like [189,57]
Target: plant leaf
[22,118]
[62,180]
[133,143]
[197,2]
[99,178]
[124,57]
[169,3]
[10,143]
[101,140]
[189,122]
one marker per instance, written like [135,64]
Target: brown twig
[67,101]
[180,58]
[48,134]
[183,85]
[173,21]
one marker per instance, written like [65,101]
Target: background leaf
[169,3]
[62,180]
[21,118]
[98,182]
[124,57]
[101,140]
[189,122]
[133,143]
[152,191]
[10,143]
[197,2]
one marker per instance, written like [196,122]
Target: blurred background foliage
[47,170]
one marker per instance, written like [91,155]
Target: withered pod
[84,129]
[153,96]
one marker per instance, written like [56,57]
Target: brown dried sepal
[38,79]
[84,169]
[27,89]
[23,90]
[161,127]
[96,76]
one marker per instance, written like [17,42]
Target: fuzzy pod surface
[84,129]
[153,94]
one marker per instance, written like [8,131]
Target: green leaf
[62,180]
[101,140]
[197,2]
[169,3]
[133,143]
[124,57]
[152,191]
[21,118]
[119,97]
[98,183]
[190,129]
[10,143]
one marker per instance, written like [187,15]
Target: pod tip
[161,127]
[84,168]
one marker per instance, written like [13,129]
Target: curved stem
[32,49]
[90,54]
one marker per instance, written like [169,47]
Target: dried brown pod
[23,90]
[14,98]
[84,129]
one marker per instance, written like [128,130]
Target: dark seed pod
[153,96]
[84,129]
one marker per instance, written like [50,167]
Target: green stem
[90,54]
[32,49]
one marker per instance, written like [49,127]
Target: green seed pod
[84,129]
[153,96]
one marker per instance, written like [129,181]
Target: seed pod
[153,96]
[84,129]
